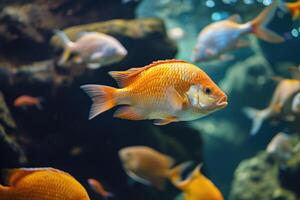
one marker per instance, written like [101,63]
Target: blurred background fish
[217,39]
[148,166]
[197,187]
[91,48]
[26,101]
[284,90]
[98,188]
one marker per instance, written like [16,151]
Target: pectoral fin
[175,99]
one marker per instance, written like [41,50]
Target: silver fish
[216,39]
[94,49]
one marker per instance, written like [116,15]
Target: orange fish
[41,184]
[197,187]
[294,8]
[98,187]
[25,101]
[166,91]
[148,166]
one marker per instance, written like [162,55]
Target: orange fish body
[98,187]
[294,8]
[41,184]
[25,100]
[166,91]
[198,187]
[148,166]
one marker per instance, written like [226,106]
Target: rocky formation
[263,177]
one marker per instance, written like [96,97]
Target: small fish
[94,49]
[166,91]
[296,103]
[197,187]
[98,187]
[293,7]
[148,166]
[41,184]
[27,101]
[176,33]
[284,90]
[218,38]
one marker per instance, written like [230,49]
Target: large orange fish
[41,184]
[166,91]
[197,187]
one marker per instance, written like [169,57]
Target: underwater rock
[260,177]
[144,37]
[12,153]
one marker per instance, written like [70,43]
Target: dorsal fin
[125,78]
[235,18]
[13,176]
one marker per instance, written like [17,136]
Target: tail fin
[257,116]
[103,98]
[262,20]
[174,174]
[67,43]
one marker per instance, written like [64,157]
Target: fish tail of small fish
[103,98]
[108,195]
[67,43]
[257,117]
[262,20]
[174,174]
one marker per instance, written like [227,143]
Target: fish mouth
[222,102]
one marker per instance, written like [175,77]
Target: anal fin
[129,112]
[165,121]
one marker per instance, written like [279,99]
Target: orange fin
[125,78]
[13,176]
[103,98]
[262,20]
[128,112]
[165,121]
[175,173]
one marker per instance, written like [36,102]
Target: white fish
[285,89]
[216,39]
[94,49]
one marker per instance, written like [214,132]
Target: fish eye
[207,91]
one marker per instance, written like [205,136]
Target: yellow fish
[148,166]
[41,184]
[166,91]
[197,187]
